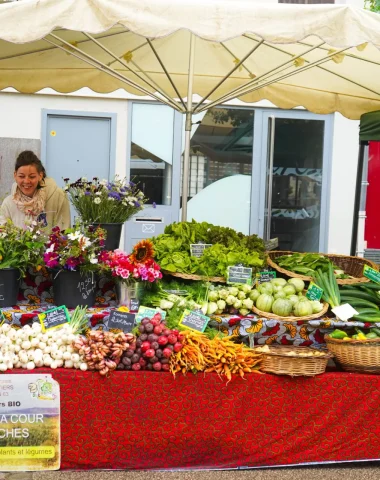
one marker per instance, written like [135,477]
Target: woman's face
[27,179]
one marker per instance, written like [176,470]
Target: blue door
[77,146]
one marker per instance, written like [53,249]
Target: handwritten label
[87,286]
[54,318]
[197,249]
[120,321]
[145,312]
[371,273]
[134,304]
[177,292]
[344,312]
[314,292]
[194,321]
[242,275]
[265,276]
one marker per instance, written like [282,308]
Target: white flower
[65,188]
[98,193]
[103,182]
[3,235]
[111,198]
[84,179]
[51,248]
[85,241]
[93,260]
[74,236]
[97,200]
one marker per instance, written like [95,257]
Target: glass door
[296,147]
[153,155]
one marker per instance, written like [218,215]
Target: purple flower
[114,195]
[132,184]
[72,263]
[87,193]
[137,204]
[154,204]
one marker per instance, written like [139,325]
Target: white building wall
[21,117]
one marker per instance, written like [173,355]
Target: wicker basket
[278,361]
[356,355]
[189,276]
[272,316]
[353,266]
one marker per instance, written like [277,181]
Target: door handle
[271,133]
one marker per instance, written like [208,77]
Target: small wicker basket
[190,276]
[279,361]
[353,266]
[361,356]
[273,316]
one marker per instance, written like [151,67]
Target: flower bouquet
[101,201]
[129,270]
[73,256]
[19,250]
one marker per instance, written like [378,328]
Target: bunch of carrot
[220,355]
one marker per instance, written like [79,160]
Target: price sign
[372,274]
[145,312]
[54,318]
[197,249]
[194,320]
[135,304]
[87,286]
[314,292]
[237,274]
[117,320]
[29,423]
[265,276]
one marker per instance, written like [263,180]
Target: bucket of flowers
[19,250]
[130,270]
[72,255]
[106,203]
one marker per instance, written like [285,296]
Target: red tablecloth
[147,420]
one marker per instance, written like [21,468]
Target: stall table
[148,420]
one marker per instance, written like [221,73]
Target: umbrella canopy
[370,127]
[325,58]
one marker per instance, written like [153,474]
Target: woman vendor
[35,197]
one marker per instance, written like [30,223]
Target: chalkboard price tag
[314,292]
[54,318]
[194,320]
[135,304]
[117,320]
[237,274]
[265,276]
[146,312]
[197,249]
[372,274]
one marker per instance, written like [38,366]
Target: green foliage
[21,248]
[373,5]
[172,249]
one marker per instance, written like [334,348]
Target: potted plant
[106,203]
[72,255]
[19,249]
[130,270]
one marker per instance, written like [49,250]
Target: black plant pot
[9,286]
[73,288]
[113,234]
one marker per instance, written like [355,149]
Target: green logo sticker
[314,292]
[371,273]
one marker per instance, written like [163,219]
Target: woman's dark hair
[27,157]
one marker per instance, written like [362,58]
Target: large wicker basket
[190,276]
[356,355]
[272,316]
[353,266]
[279,361]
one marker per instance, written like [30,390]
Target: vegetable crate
[353,266]
[361,356]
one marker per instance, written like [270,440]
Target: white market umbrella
[325,58]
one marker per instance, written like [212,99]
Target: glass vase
[127,295]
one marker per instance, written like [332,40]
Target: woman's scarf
[30,206]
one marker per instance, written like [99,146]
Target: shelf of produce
[146,420]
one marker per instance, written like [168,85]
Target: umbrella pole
[188,124]
[355,220]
